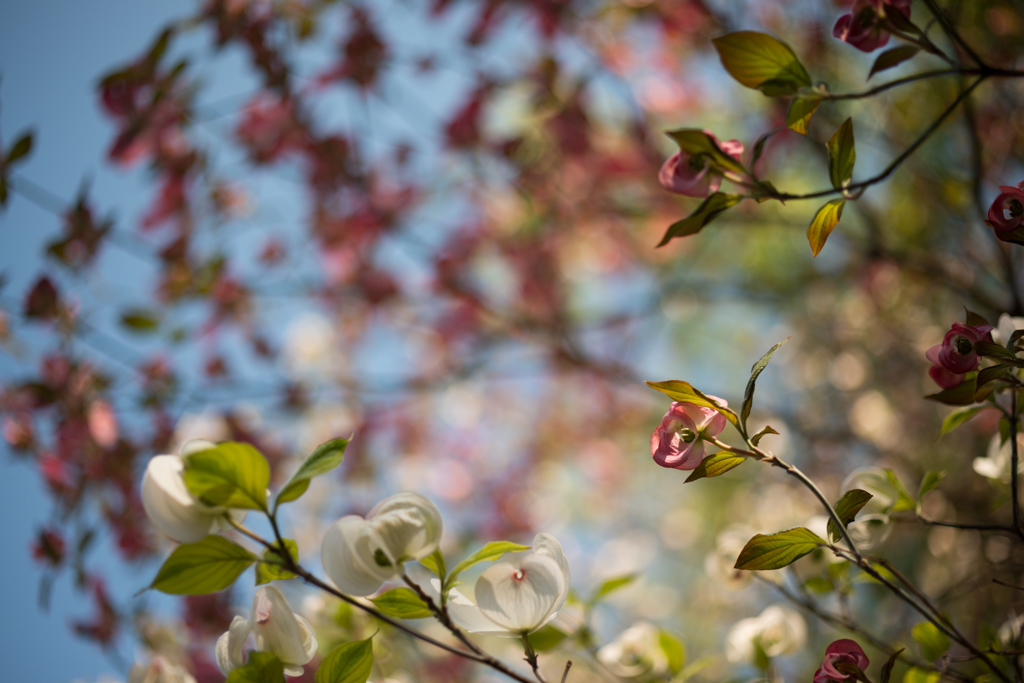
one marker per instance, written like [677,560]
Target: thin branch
[892,84]
[950,31]
[565,674]
[531,658]
[1008,585]
[874,180]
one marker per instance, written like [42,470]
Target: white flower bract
[277,629]
[359,555]
[778,631]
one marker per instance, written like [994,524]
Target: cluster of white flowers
[359,555]
[777,631]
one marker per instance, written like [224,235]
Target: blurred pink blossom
[864,28]
[676,443]
[844,651]
[693,176]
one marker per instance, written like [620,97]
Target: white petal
[170,506]
[468,617]
[229,645]
[546,544]
[309,644]
[521,599]
[409,525]
[195,446]
[739,642]
[277,628]
[347,555]
[293,670]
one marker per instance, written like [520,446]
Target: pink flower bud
[864,27]
[694,176]
[1007,209]
[957,353]
[676,443]
[843,651]
[943,377]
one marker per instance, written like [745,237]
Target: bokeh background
[433,226]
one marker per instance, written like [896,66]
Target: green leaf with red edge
[823,223]
[758,60]
[759,148]
[685,392]
[889,664]
[708,211]
[842,154]
[777,550]
[973,319]
[893,57]
[715,466]
[993,373]
[696,142]
[800,111]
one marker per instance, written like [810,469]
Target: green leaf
[546,638]
[887,667]
[966,393]
[819,584]
[759,148]
[778,550]
[270,569]
[675,651]
[347,663]
[708,211]
[823,223]
[402,603]
[903,500]
[893,57]
[973,319]
[756,438]
[325,458]
[841,155]
[261,667]
[231,474]
[764,191]
[800,112]
[757,60]
[491,551]
[610,586]
[930,480]
[435,563]
[19,149]
[208,566]
[847,508]
[715,466]
[684,391]
[696,143]
[992,373]
[958,417]
[933,642]
[141,321]
[916,674]
[755,372]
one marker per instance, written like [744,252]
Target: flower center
[519,575]
[1012,209]
[962,345]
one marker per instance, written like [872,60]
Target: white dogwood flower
[359,555]
[159,670]
[511,599]
[277,629]
[777,631]
[636,652]
[997,464]
[171,506]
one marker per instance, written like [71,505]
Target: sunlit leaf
[491,551]
[347,663]
[231,474]
[756,438]
[847,508]
[612,585]
[685,392]
[270,568]
[755,372]
[824,221]
[933,642]
[958,417]
[801,109]
[261,667]
[402,603]
[546,638]
[325,458]
[777,550]
[757,60]
[842,154]
[674,650]
[208,566]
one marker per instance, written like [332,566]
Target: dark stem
[565,674]
[953,34]
[892,84]
[531,658]
[1008,585]
[1013,464]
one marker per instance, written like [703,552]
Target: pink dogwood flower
[1007,210]
[693,175]
[958,353]
[943,377]
[676,443]
[864,27]
[844,651]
